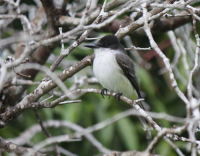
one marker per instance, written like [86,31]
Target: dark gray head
[109,41]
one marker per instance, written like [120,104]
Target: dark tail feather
[145,123]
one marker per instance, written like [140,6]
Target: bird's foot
[118,95]
[104,90]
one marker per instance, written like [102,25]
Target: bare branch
[13,148]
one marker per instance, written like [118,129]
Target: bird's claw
[104,90]
[118,95]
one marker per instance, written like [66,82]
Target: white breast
[109,74]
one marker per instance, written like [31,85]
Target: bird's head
[109,41]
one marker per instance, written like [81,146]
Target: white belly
[110,75]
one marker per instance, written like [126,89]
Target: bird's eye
[105,44]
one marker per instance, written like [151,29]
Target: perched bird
[115,70]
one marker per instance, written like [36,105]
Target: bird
[115,70]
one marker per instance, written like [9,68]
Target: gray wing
[128,68]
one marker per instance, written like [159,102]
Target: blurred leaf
[164,149]
[128,134]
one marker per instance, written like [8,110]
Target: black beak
[92,45]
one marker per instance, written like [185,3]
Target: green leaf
[128,134]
